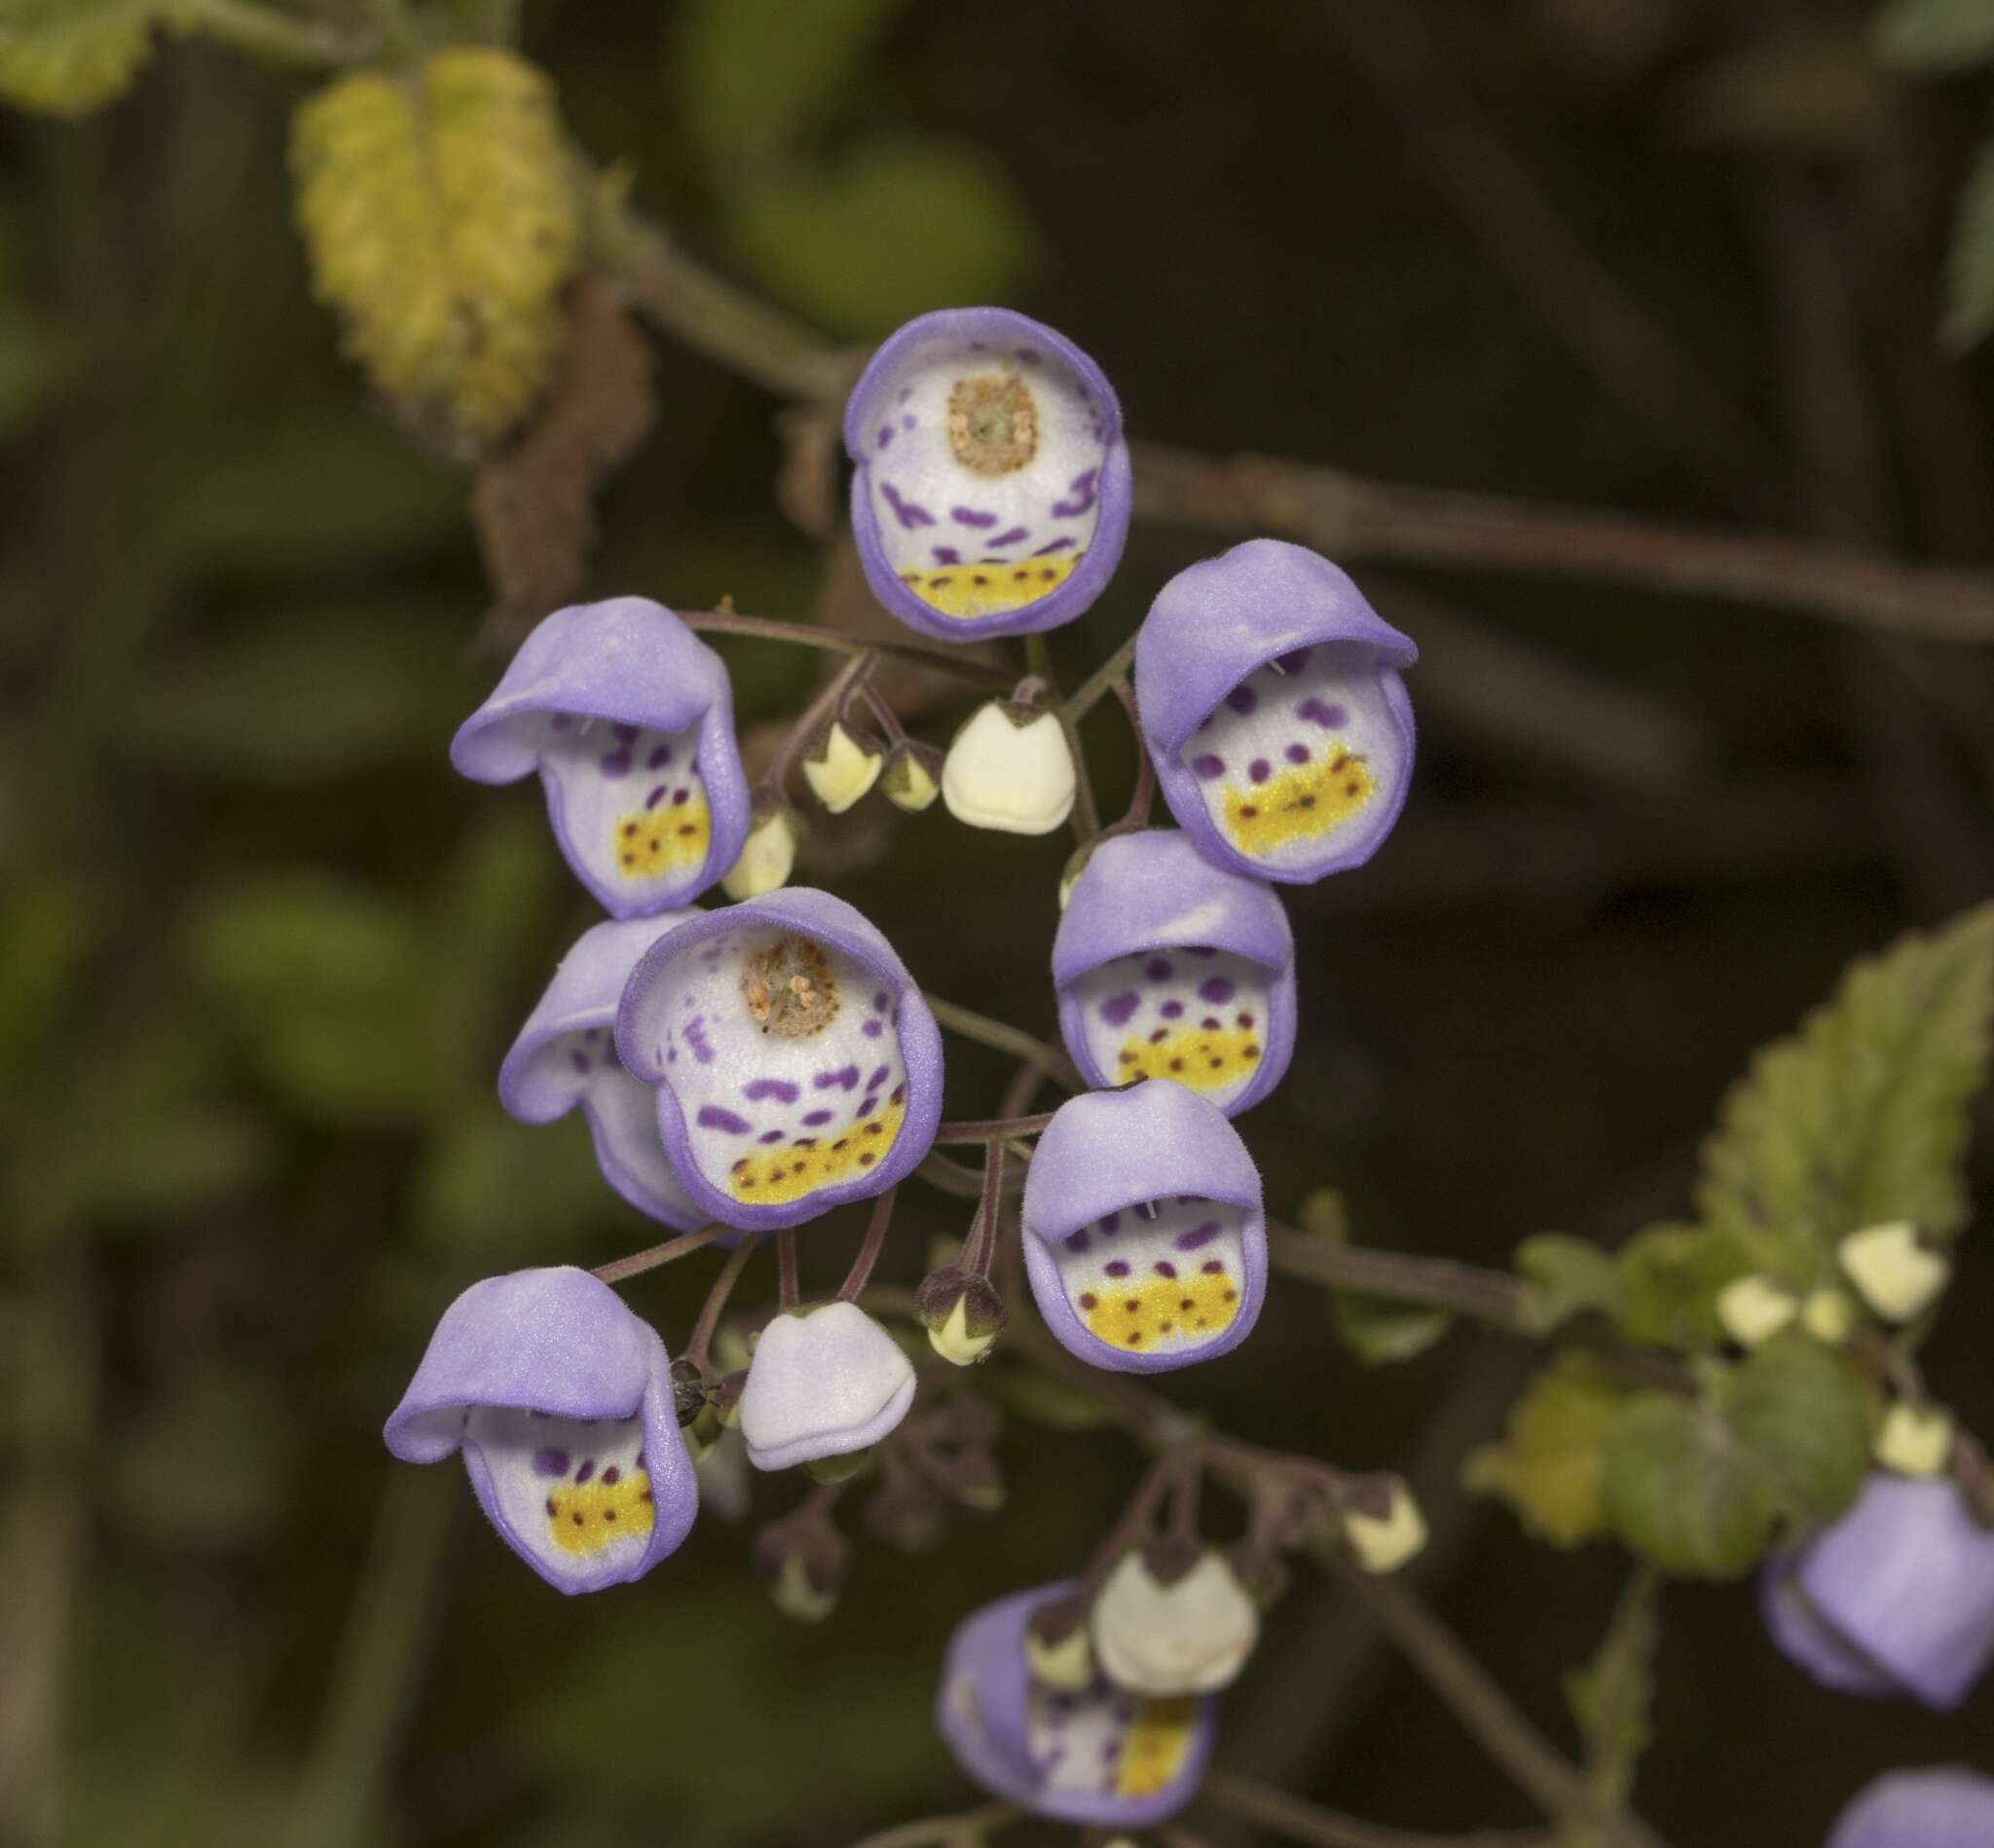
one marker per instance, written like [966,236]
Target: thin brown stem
[1087,814]
[1138,1521]
[699,1343]
[1489,1296]
[262,31]
[787,1293]
[982,1244]
[820,711]
[1295,1819]
[807,635]
[994,1130]
[870,1247]
[684,1246]
[939,1832]
[1136,817]
[889,719]
[1005,1038]
[1101,682]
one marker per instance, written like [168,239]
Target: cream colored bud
[1916,1440]
[841,770]
[1066,1666]
[954,1343]
[1897,1274]
[768,856]
[1189,1637]
[912,777]
[1754,1308]
[1384,1546]
[1828,1316]
[1010,769]
[796,1597]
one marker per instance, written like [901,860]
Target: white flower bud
[1898,1275]
[768,856]
[841,770]
[912,778]
[1189,1637]
[1010,769]
[795,1596]
[1067,1666]
[1383,1545]
[1916,1440]
[1828,1316]
[1754,1308]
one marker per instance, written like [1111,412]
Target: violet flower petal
[1946,1807]
[823,1383]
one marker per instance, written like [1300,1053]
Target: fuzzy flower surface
[1169,966]
[1144,1241]
[1010,769]
[565,1059]
[560,1401]
[629,719]
[991,490]
[1275,711]
[1896,1597]
[797,1065]
[1095,1755]
[1946,1807]
[823,1383]
[1171,1632]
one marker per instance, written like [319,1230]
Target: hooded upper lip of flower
[1897,1596]
[1003,1730]
[1944,1807]
[991,478]
[566,1055]
[798,1066]
[1219,1017]
[538,1377]
[1145,1197]
[629,719]
[823,1385]
[1270,691]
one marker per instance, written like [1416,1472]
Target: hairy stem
[806,635]
[994,1129]
[699,1343]
[787,1293]
[1489,1296]
[684,1246]
[870,1247]
[1101,682]
[1005,1038]
[820,711]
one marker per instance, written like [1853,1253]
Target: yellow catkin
[983,590]
[1156,1747]
[1299,804]
[1197,1056]
[1126,1313]
[650,841]
[792,1169]
[439,221]
[583,1520]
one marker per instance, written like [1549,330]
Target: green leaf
[1935,35]
[1380,1330]
[1670,1277]
[1612,1696]
[1548,1466]
[1970,262]
[1682,1490]
[71,58]
[1801,1410]
[1861,1115]
[902,223]
[1563,1278]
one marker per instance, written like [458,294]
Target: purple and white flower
[1144,1241]
[991,492]
[798,1066]
[1169,966]
[823,1383]
[1896,1597]
[1096,1756]
[566,1056]
[560,1400]
[1946,1807]
[1272,707]
[629,719]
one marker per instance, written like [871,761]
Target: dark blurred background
[260,951]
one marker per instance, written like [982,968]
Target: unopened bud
[908,1517]
[1828,1316]
[962,1313]
[803,1562]
[1056,1646]
[1382,1543]
[1010,768]
[768,856]
[1754,1308]
[974,1481]
[1898,1274]
[841,765]
[1916,1440]
[1164,1629]
[912,777]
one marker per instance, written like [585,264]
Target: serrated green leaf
[1935,35]
[1611,1696]
[1563,1278]
[1970,260]
[1802,1411]
[1682,1490]
[1548,1467]
[1380,1330]
[902,223]
[1670,1277]
[1862,1115]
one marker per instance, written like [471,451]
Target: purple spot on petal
[973,516]
[1109,1223]
[616,764]
[878,1077]
[780,1088]
[1294,661]
[659,757]
[612,1476]
[866,1108]
[872,1029]
[560,721]
[885,435]
[909,513]
[771,1136]
[1055,545]
[817,1119]
[1081,491]
[1116,1267]
[1209,766]
[1217,990]
[714,1117]
[1259,769]
[1202,1235]
[1015,535]
[587,1469]
[580,1060]
[1170,1010]
[1297,754]
[946,555]
[1157,969]
[1242,699]
[1164,1267]
[1320,713]
[1119,1011]
[625,734]
[657,797]
[1078,1240]
[550,1463]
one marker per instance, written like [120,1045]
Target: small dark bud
[908,1518]
[1169,1561]
[689,1392]
[962,1313]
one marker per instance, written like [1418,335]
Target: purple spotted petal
[1098,1758]
[1144,1245]
[566,1056]
[560,1400]
[1169,966]
[798,1066]
[1895,1597]
[629,719]
[991,494]
[1273,709]
[1946,1807]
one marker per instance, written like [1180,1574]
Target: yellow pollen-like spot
[792,1169]
[1299,804]
[649,841]
[1131,1313]
[583,1520]
[1158,1743]
[983,590]
[1194,1055]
